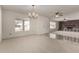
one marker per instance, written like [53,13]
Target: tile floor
[37,44]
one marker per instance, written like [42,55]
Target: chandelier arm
[33,14]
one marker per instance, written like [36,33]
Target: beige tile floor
[37,44]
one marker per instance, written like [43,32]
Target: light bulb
[29,14]
[57,16]
[33,13]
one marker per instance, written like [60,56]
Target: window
[52,25]
[26,26]
[22,25]
[18,25]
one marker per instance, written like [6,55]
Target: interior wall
[37,26]
[0,23]
[43,25]
[73,16]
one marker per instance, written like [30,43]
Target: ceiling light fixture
[33,14]
[58,14]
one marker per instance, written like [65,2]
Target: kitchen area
[67,34]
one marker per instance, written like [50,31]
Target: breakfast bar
[68,33]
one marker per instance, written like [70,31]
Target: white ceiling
[45,10]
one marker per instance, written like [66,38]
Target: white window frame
[23,24]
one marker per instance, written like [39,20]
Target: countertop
[68,33]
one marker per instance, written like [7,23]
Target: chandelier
[33,14]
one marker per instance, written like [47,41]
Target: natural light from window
[22,25]
[52,25]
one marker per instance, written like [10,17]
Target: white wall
[38,26]
[0,24]
[73,16]
[43,25]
